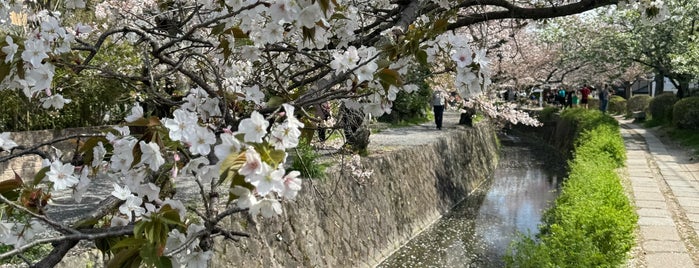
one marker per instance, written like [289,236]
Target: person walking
[439,99]
[584,95]
[604,98]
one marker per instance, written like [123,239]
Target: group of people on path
[561,97]
[569,99]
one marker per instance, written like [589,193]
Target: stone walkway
[664,180]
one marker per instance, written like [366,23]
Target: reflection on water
[479,230]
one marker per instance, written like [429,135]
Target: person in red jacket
[584,95]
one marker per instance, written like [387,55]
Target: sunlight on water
[479,230]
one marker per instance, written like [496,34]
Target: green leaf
[40,175]
[5,68]
[440,26]
[138,229]
[87,148]
[218,29]
[338,16]
[421,56]
[275,101]
[230,166]
[269,154]
[390,77]
[152,256]
[309,34]
[127,243]
[125,258]
[324,5]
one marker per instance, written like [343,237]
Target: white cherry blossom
[182,125]
[132,207]
[463,57]
[229,145]
[121,192]
[246,199]
[6,143]
[10,49]
[62,175]
[57,101]
[201,141]
[98,153]
[267,180]
[366,72]
[253,163]
[267,208]
[136,113]
[292,185]
[151,155]
[34,52]
[254,128]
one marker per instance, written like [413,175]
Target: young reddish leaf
[9,185]
[390,77]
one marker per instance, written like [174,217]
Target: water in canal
[479,230]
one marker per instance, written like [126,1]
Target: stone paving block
[651,196]
[653,212]
[666,158]
[685,192]
[666,233]
[691,210]
[654,246]
[637,161]
[656,221]
[645,189]
[678,183]
[693,217]
[688,201]
[674,260]
[644,183]
[651,204]
[687,175]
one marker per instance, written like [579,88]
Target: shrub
[638,103]
[305,160]
[547,114]
[617,105]
[411,107]
[685,113]
[592,222]
[660,107]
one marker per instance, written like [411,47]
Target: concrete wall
[342,222]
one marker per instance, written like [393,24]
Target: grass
[686,137]
[592,222]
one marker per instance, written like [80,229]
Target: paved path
[664,180]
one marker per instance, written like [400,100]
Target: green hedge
[592,221]
[638,103]
[685,113]
[660,107]
[617,105]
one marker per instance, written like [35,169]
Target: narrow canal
[478,231]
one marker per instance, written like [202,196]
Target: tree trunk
[659,84]
[683,88]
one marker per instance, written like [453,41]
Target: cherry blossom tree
[228,84]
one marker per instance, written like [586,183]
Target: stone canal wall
[27,166]
[419,174]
